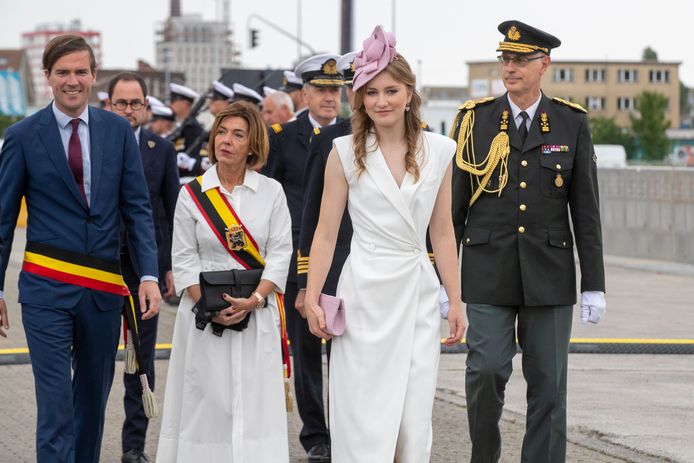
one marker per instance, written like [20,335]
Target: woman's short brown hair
[64,45]
[258,142]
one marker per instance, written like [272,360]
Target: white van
[611,156]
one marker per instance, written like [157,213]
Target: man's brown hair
[64,45]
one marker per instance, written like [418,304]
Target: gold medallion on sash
[236,238]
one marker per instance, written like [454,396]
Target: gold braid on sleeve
[481,172]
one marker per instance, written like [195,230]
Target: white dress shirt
[530,110]
[65,129]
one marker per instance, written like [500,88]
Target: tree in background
[649,54]
[605,131]
[6,121]
[649,124]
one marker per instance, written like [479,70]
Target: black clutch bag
[236,283]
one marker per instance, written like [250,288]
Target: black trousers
[135,424]
[543,335]
[308,374]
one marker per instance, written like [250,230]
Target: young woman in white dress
[396,181]
[224,399]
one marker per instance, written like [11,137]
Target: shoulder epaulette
[424,125]
[277,128]
[572,105]
[316,130]
[471,104]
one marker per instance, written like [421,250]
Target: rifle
[196,109]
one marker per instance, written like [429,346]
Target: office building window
[596,75]
[595,103]
[627,75]
[625,103]
[659,76]
[563,75]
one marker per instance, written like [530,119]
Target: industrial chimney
[175,8]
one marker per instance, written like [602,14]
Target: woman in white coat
[396,181]
[224,399]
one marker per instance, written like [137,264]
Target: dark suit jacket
[286,164]
[161,173]
[319,149]
[502,265]
[34,164]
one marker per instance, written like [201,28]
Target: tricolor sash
[239,243]
[98,274]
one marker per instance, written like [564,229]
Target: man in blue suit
[80,171]
[127,97]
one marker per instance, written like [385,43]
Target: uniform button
[558,166]
[521,229]
[563,243]
[523,185]
[524,163]
[467,240]
[522,207]
[90,219]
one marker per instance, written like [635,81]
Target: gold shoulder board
[277,128]
[574,106]
[470,104]
[316,130]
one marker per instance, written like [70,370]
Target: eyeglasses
[135,105]
[518,61]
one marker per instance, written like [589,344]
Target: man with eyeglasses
[524,160]
[126,97]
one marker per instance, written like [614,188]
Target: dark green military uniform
[511,207]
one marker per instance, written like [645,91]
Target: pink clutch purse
[334,310]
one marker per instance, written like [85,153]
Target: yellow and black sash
[226,225]
[237,241]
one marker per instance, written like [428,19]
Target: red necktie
[74,157]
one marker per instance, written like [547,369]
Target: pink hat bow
[378,53]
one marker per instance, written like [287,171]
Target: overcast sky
[437,36]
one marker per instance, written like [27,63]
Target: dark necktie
[523,129]
[74,157]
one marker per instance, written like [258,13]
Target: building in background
[34,43]
[604,88]
[155,79]
[16,89]
[196,47]
[440,105]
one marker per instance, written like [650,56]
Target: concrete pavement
[634,408]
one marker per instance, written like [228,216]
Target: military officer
[162,120]
[292,86]
[319,148]
[286,163]
[524,160]
[188,130]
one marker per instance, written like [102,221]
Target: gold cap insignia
[151,144]
[330,67]
[513,33]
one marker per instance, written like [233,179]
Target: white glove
[205,164]
[185,162]
[444,305]
[593,307]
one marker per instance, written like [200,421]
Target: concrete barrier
[648,212]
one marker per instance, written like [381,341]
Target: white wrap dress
[383,368]
[224,399]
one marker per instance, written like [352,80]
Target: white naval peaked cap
[244,93]
[182,90]
[345,66]
[154,101]
[162,111]
[267,91]
[102,96]
[292,80]
[222,89]
[320,70]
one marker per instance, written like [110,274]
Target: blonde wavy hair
[362,124]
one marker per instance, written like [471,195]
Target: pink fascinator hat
[378,53]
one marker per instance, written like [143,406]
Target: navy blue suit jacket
[34,164]
[161,174]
